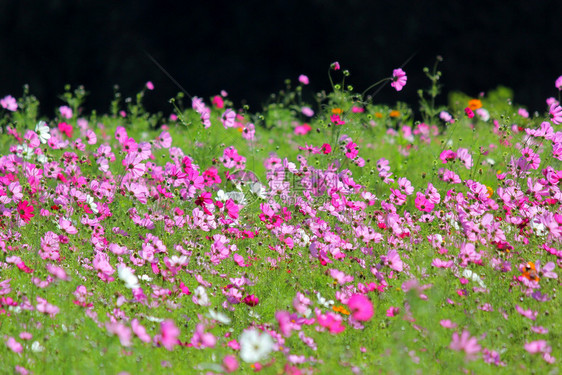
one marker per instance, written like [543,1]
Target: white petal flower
[37,347]
[219,317]
[200,296]
[43,131]
[474,277]
[258,189]
[255,345]
[126,274]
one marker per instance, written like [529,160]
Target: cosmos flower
[255,345]
[465,343]
[361,307]
[399,79]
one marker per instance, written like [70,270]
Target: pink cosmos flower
[218,101]
[331,321]
[558,83]
[335,65]
[140,331]
[465,342]
[336,119]
[9,103]
[307,111]
[251,300]
[228,118]
[361,307]
[169,334]
[65,111]
[229,363]
[66,129]
[150,85]
[539,346]
[122,331]
[57,272]
[399,79]
[392,311]
[469,112]
[303,79]
[556,113]
[14,346]
[447,323]
[303,129]
[527,313]
[202,339]
[392,259]
[25,211]
[326,148]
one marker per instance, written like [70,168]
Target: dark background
[249,48]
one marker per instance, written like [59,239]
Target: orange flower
[337,111]
[474,104]
[340,309]
[490,191]
[394,113]
[378,115]
[530,272]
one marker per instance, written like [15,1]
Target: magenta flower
[558,83]
[556,113]
[331,321]
[150,85]
[303,79]
[25,211]
[169,334]
[469,112]
[229,363]
[361,307]
[399,79]
[466,343]
[335,65]
[251,300]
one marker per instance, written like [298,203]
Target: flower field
[327,235]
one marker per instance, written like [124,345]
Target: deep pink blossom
[399,79]
[361,307]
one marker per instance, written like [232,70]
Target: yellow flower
[474,104]
[394,113]
[490,191]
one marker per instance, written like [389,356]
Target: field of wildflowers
[324,236]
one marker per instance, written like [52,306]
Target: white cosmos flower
[126,274]
[200,296]
[539,228]
[255,345]
[258,189]
[37,347]
[43,131]
[154,319]
[219,316]
[474,277]
[322,301]
[93,205]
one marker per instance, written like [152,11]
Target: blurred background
[249,48]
